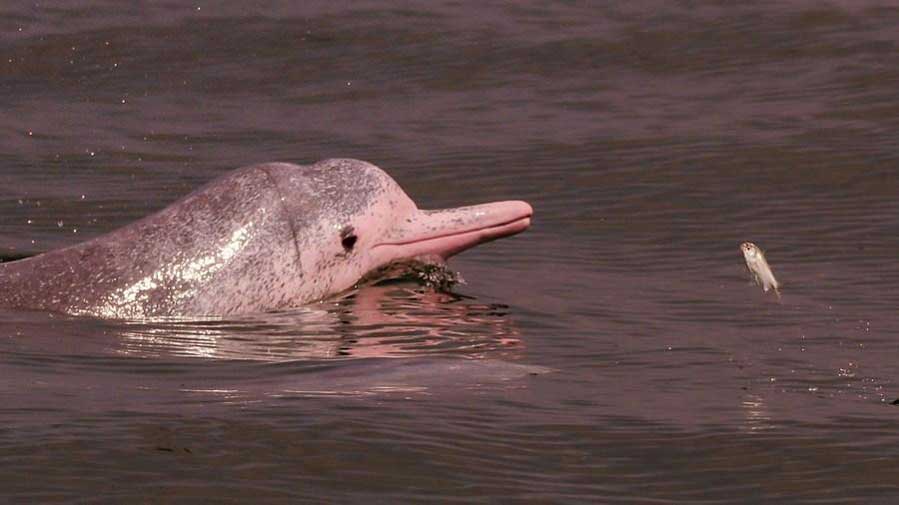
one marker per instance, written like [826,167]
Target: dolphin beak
[450,231]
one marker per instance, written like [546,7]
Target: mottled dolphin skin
[260,238]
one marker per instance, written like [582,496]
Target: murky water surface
[614,353]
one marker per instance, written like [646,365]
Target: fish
[759,268]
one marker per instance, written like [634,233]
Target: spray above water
[438,277]
[431,272]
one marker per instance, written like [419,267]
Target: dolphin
[260,238]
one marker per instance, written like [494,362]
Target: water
[614,353]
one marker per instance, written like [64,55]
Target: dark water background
[614,353]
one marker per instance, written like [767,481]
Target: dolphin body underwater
[260,238]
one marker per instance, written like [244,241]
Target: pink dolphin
[260,238]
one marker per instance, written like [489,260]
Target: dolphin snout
[448,232]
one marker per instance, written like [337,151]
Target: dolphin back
[226,247]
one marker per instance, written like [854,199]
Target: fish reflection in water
[389,320]
[755,412]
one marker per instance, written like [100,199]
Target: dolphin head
[350,218]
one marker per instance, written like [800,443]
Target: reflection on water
[343,348]
[756,414]
[388,320]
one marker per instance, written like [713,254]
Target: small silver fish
[758,267]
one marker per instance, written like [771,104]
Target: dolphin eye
[348,238]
